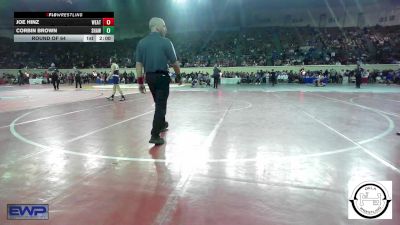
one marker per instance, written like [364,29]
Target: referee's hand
[142,88]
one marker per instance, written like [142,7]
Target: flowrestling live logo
[370,200]
[27,211]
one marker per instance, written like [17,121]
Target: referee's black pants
[56,84]
[216,81]
[78,81]
[159,87]
[358,82]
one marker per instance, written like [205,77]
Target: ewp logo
[27,212]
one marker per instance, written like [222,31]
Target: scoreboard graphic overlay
[63,26]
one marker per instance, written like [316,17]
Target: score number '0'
[108,21]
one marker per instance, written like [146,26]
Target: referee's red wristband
[140,80]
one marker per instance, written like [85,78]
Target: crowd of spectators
[67,77]
[302,76]
[246,47]
[293,46]
[195,78]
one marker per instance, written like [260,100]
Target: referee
[153,53]
[216,76]
[78,79]
[54,76]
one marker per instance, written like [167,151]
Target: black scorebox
[64,26]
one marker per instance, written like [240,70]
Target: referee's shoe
[156,140]
[398,133]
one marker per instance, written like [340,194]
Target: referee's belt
[160,72]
